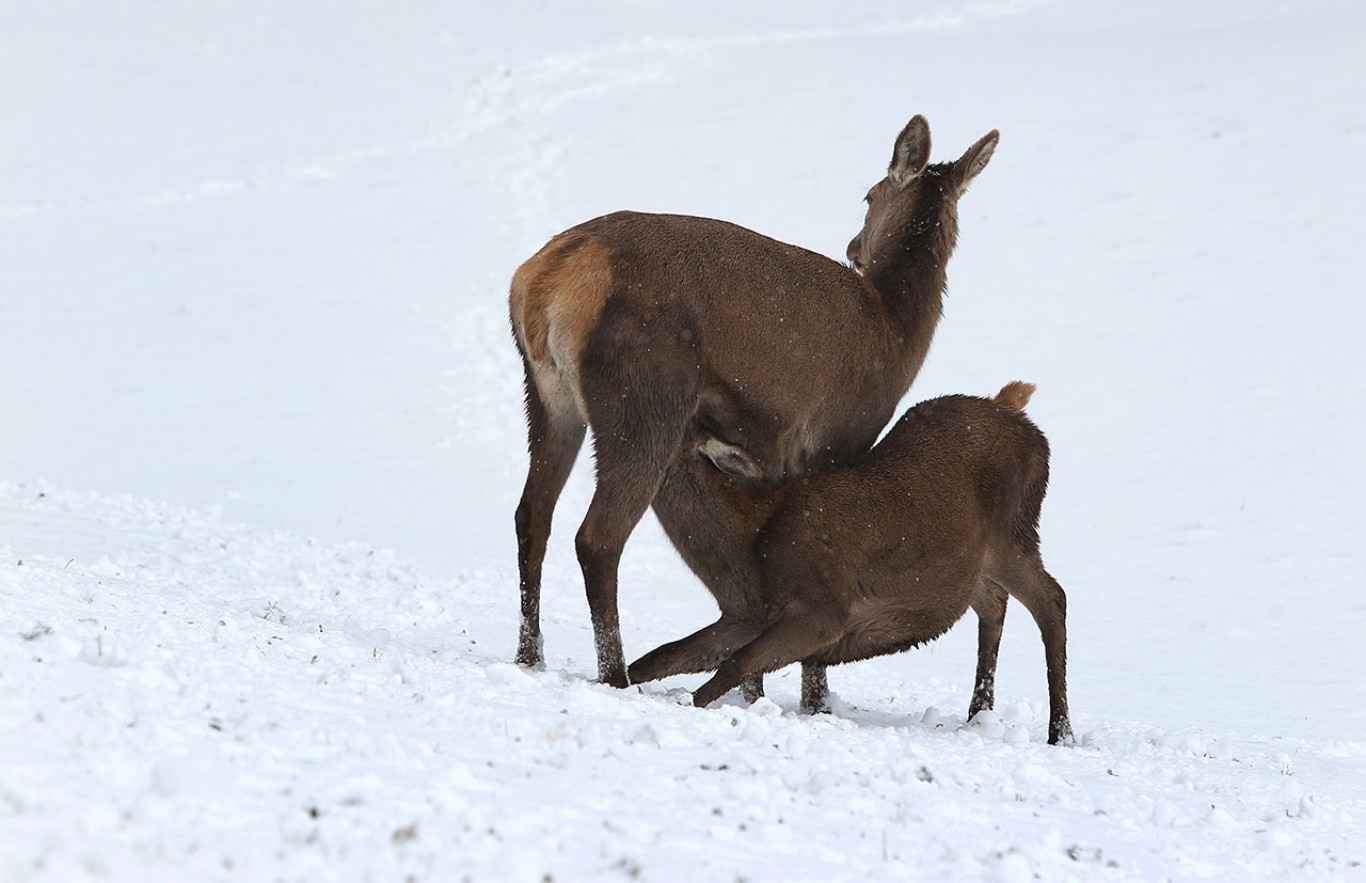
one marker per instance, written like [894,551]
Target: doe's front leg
[815,689]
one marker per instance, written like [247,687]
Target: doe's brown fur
[563,288]
[665,332]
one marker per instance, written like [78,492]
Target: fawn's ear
[732,460]
[912,152]
[976,159]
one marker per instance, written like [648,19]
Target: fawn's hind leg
[1024,577]
[990,605]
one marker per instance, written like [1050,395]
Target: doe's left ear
[976,159]
[912,152]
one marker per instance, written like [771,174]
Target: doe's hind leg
[555,433]
[635,439]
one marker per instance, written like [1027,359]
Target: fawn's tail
[1015,395]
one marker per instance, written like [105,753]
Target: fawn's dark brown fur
[889,552]
[666,333]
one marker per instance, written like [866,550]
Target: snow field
[209,700]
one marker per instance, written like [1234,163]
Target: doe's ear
[976,159]
[912,152]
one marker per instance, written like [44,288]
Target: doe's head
[914,193]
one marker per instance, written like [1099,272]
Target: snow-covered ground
[261,439]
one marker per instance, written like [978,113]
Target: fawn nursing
[888,552]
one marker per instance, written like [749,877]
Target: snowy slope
[262,438]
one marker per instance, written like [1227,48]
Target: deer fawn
[663,332]
[888,552]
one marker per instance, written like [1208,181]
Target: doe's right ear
[972,162]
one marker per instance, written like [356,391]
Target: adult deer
[663,332]
[887,553]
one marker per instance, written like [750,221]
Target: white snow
[261,439]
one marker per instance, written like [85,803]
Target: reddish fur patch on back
[557,296]
[1015,395]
